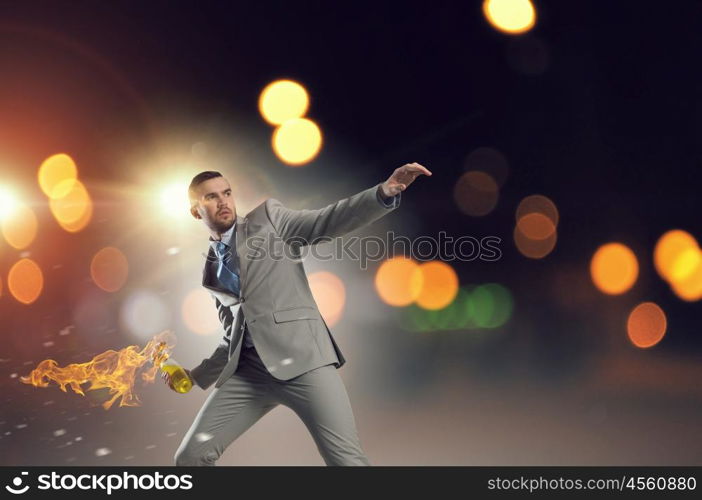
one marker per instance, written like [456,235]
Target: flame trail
[114,370]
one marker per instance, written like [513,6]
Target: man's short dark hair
[199,179]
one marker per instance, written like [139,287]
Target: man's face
[215,204]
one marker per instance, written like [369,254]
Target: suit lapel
[208,271]
[241,232]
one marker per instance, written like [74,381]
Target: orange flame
[114,370]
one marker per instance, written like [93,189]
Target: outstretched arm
[343,216]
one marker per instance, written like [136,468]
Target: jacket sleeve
[341,217]
[206,373]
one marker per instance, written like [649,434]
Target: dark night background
[607,126]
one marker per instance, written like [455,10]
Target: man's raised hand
[402,177]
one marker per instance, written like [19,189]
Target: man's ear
[195,213]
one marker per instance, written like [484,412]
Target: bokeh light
[540,204]
[80,224]
[72,211]
[614,268]
[199,313]
[56,175]
[462,317]
[25,281]
[398,281]
[490,161]
[8,202]
[646,325]
[672,252]
[415,319]
[685,264]
[481,307]
[283,100]
[439,285]
[690,287]
[330,295]
[297,141]
[109,269]
[490,305]
[510,16]
[534,248]
[144,314]
[455,316]
[476,193]
[174,200]
[536,226]
[20,229]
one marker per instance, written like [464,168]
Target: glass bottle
[180,380]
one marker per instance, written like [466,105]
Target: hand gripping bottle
[179,378]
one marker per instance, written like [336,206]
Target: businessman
[277,348]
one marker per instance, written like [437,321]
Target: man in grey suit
[277,348]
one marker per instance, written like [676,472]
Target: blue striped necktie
[229,278]
[227,270]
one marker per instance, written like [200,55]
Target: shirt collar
[226,236]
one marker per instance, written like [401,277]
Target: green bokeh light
[485,306]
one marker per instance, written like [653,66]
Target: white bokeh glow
[174,200]
[199,312]
[8,202]
[144,314]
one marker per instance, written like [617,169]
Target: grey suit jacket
[276,302]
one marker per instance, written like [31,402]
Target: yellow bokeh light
[20,228]
[646,325]
[690,287]
[510,16]
[330,295]
[73,210]
[56,175]
[109,269]
[398,281]
[685,264]
[674,255]
[283,100]
[439,285]
[25,281]
[297,141]
[476,193]
[74,227]
[199,313]
[614,268]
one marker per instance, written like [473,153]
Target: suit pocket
[295,313]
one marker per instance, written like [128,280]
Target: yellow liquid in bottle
[181,381]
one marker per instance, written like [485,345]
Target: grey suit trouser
[318,397]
